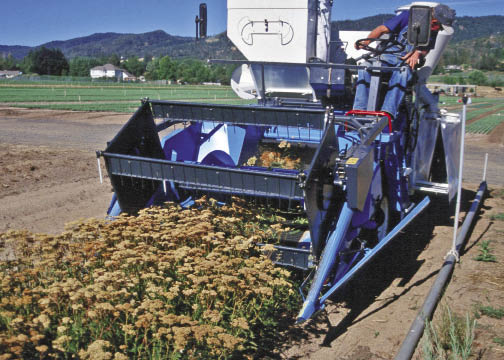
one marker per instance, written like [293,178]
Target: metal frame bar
[314,65]
[177,111]
[276,184]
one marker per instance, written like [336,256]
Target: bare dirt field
[48,177]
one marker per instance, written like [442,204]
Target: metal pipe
[460,173]
[485,167]
[410,342]
[99,170]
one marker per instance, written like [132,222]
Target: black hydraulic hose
[410,342]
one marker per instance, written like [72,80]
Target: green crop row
[107,94]
[486,125]
[473,114]
[86,82]
[127,107]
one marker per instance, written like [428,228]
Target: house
[111,71]
[9,74]
[126,76]
[453,68]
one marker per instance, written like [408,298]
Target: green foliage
[477,78]
[8,62]
[113,59]
[498,340]
[490,311]
[450,80]
[45,61]
[134,66]
[499,216]
[81,66]
[189,71]
[450,338]
[498,193]
[485,254]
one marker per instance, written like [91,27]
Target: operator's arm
[375,34]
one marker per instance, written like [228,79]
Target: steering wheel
[384,46]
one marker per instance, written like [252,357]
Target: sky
[34,22]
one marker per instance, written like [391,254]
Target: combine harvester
[356,192]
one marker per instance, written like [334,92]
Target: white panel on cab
[348,38]
[273,31]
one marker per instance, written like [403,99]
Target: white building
[9,74]
[111,71]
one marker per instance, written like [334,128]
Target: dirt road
[49,177]
[49,168]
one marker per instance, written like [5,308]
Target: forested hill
[159,43]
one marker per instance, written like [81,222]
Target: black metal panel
[207,178]
[319,189]
[138,136]
[239,115]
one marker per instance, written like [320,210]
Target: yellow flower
[96,351]
[43,319]
[240,323]
[42,348]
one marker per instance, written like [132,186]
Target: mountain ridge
[160,43]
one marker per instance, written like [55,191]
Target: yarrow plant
[170,283]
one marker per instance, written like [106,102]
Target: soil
[49,177]
[48,167]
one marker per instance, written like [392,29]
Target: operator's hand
[412,58]
[360,45]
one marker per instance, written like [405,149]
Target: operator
[398,28]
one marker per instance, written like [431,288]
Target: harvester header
[364,174]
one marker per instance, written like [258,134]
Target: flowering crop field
[170,283]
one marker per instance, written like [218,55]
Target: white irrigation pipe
[453,249]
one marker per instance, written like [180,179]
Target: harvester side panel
[137,137]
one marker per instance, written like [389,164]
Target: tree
[8,63]
[461,81]
[489,62]
[134,66]
[114,59]
[45,61]
[451,80]
[81,66]
[152,70]
[167,68]
[477,78]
